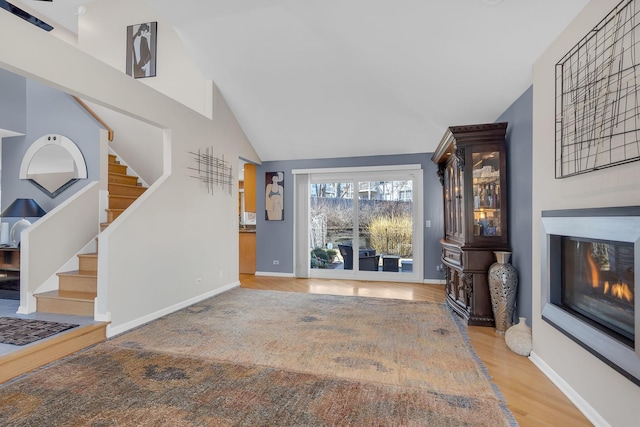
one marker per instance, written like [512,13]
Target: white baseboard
[272,274]
[582,405]
[433,282]
[116,330]
[22,310]
[30,306]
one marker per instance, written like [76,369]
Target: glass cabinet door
[487,216]
[454,209]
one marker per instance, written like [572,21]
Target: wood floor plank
[532,398]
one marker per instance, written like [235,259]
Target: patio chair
[367,258]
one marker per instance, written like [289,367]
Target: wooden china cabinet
[472,168]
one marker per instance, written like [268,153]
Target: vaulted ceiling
[342,78]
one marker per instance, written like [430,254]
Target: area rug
[263,358]
[25,331]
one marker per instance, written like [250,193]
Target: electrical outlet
[427,223]
[439,268]
[276,262]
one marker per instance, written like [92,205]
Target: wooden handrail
[95,116]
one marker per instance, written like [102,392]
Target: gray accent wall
[48,111]
[519,147]
[13,103]
[274,239]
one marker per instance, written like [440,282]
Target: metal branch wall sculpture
[597,99]
[212,171]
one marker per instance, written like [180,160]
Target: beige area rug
[262,358]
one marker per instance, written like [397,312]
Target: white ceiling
[342,78]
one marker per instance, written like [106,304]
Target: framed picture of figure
[141,49]
[274,196]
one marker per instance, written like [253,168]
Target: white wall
[102,33]
[599,388]
[41,242]
[136,143]
[176,232]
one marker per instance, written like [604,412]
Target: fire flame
[595,275]
[622,291]
[618,290]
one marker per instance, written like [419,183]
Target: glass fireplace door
[598,283]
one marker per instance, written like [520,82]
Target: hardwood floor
[532,398]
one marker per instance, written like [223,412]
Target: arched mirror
[52,163]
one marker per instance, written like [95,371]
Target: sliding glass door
[365,224]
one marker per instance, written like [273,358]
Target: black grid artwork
[597,102]
[212,170]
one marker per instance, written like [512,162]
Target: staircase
[76,292]
[123,190]
[78,289]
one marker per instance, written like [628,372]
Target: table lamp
[24,208]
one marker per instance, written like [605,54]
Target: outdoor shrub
[391,235]
[321,254]
[337,225]
[320,258]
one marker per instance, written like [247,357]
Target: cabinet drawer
[452,256]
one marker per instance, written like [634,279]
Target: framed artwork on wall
[596,96]
[274,196]
[141,49]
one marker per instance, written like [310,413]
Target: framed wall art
[597,104]
[274,196]
[141,49]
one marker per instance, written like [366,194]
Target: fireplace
[598,284]
[589,281]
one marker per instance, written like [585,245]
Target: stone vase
[503,283]
[518,338]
